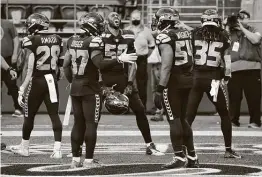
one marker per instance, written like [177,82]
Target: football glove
[129,88]
[107,90]
[127,58]
[21,96]
[158,100]
[225,80]
[12,73]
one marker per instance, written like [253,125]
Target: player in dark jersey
[210,52]
[117,43]
[175,83]
[83,58]
[41,81]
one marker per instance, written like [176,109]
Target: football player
[41,81]
[174,45]
[83,58]
[210,52]
[118,42]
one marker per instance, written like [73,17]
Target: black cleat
[232,154]
[177,162]
[192,162]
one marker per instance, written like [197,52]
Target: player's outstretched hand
[127,58]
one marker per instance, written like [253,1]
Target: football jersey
[47,50]
[85,73]
[208,55]
[115,46]
[180,41]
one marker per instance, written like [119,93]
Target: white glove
[13,74]
[21,96]
[128,58]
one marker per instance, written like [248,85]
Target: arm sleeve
[13,31]
[150,38]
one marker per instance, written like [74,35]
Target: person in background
[8,68]
[144,45]
[9,51]
[246,68]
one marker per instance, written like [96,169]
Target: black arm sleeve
[100,63]
[68,73]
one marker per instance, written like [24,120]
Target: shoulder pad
[59,39]
[26,42]
[105,35]
[96,42]
[162,38]
[128,34]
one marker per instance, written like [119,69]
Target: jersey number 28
[49,58]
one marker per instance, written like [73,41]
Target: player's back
[47,49]
[85,73]
[180,41]
[208,52]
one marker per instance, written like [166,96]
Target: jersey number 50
[79,57]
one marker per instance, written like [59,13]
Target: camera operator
[246,67]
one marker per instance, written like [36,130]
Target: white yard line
[136,133]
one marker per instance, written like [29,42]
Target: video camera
[232,21]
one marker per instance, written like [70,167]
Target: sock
[77,159]
[148,144]
[228,149]
[180,154]
[88,160]
[25,143]
[192,153]
[57,146]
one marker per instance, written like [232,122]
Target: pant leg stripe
[224,89]
[26,98]
[167,105]
[97,108]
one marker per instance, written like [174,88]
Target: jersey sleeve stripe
[129,36]
[27,43]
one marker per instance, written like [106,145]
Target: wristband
[160,88]
[101,83]
[10,68]
[130,83]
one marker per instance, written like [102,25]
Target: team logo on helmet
[210,17]
[92,23]
[166,17]
[37,22]
[116,103]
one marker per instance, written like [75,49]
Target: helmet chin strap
[165,28]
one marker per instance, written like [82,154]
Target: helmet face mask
[36,22]
[210,17]
[166,17]
[117,103]
[92,23]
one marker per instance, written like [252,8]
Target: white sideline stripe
[137,133]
